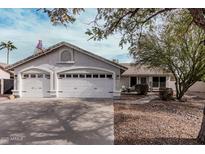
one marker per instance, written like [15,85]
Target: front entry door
[133,81]
[143,80]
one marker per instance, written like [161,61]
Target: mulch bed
[158,122]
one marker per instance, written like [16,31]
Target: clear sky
[25,27]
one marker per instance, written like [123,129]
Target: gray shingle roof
[3,67]
[134,69]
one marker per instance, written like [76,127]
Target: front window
[143,80]
[159,82]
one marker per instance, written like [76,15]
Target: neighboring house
[65,70]
[4,74]
[138,74]
[198,87]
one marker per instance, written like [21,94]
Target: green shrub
[142,89]
[166,93]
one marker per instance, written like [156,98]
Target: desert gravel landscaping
[158,122]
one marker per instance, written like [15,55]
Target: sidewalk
[144,100]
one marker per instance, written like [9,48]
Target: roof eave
[146,74]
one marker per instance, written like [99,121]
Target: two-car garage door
[81,83]
[85,85]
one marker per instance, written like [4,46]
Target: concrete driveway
[56,121]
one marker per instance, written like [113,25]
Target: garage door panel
[87,88]
[35,87]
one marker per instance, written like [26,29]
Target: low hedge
[166,93]
[142,89]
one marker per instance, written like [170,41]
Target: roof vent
[39,47]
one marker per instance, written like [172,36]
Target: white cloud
[25,28]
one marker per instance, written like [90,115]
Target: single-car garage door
[35,85]
[85,85]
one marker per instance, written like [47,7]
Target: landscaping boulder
[11,97]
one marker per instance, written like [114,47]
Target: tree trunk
[177,89]
[201,136]
[7,56]
[179,92]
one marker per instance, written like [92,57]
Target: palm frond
[7,45]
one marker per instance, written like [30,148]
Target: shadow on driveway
[56,122]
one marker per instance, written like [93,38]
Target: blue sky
[26,26]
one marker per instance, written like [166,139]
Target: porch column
[51,81]
[114,84]
[17,91]
[150,82]
[15,82]
[56,83]
[138,79]
[168,81]
[116,88]
[2,86]
[53,91]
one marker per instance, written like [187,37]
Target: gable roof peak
[55,46]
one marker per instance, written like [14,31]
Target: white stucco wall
[4,75]
[51,62]
[172,85]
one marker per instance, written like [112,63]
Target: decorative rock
[11,97]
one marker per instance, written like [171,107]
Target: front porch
[154,82]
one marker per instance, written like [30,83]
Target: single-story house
[65,70]
[4,75]
[140,74]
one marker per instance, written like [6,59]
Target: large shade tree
[172,49]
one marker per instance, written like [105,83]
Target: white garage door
[85,85]
[35,85]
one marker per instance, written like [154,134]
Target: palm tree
[9,46]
